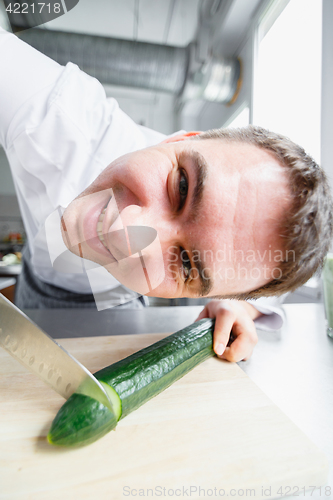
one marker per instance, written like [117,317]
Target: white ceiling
[171,22]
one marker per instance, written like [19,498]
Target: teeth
[100,227]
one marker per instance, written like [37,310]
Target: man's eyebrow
[206,281]
[200,168]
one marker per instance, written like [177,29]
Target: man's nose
[132,215]
[163,223]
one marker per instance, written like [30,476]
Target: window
[287,81]
[241,119]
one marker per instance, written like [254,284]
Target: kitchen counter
[293,366]
[13,270]
[6,282]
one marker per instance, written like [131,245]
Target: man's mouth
[99,228]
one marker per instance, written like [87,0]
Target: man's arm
[24,73]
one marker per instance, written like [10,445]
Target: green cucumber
[135,379]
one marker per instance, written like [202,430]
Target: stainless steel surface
[294,366]
[13,270]
[6,282]
[115,61]
[38,352]
[69,323]
[216,80]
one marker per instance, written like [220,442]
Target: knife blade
[42,355]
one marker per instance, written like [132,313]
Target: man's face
[216,206]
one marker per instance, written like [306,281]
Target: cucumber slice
[114,398]
[131,382]
[81,420]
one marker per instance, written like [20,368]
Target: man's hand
[236,316]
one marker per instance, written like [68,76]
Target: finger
[235,353]
[210,310]
[242,347]
[203,314]
[207,312]
[223,326]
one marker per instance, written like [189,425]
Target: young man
[234,214]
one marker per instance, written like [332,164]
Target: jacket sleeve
[273,315]
[24,73]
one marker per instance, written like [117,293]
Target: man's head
[307,227]
[226,206]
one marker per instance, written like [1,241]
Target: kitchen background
[285,82]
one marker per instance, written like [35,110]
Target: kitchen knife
[38,352]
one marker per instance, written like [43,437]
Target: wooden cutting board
[213,433]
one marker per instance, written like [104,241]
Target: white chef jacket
[59,132]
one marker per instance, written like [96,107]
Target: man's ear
[180,137]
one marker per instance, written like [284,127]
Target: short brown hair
[308,228]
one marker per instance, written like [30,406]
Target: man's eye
[183,189]
[186,264]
